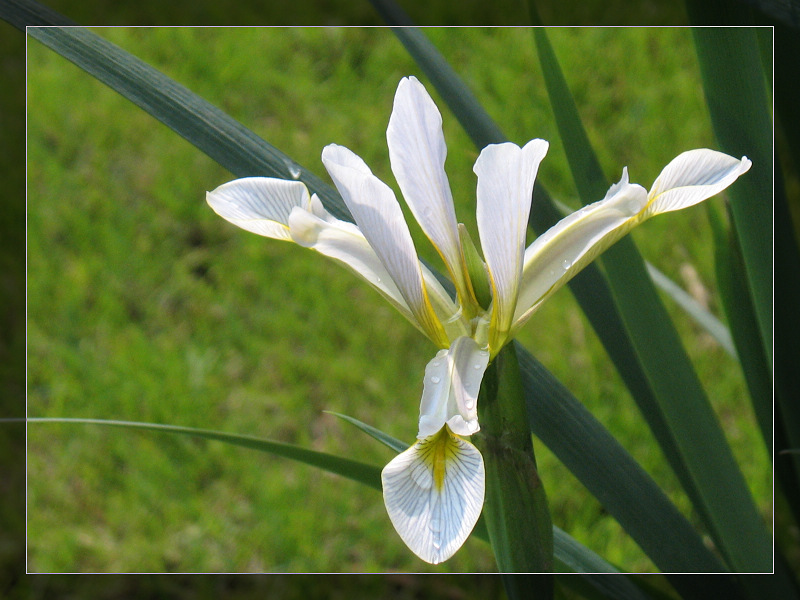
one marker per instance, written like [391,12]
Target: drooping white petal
[261,205]
[345,243]
[506,174]
[450,393]
[342,241]
[377,214]
[434,494]
[692,177]
[572,243]
[417,152]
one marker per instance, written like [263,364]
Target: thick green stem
[515,508]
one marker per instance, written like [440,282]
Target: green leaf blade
[368,475]
[678,412]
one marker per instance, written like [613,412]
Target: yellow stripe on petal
[434,494]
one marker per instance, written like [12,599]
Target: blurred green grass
[144,305]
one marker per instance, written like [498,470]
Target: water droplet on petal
[435,363]
[435,379]
[566,264]
[437,542]
[469,403]
[435,525]
[477,366]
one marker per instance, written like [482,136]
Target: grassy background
[144,305]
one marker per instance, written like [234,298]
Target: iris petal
[572,243]
[417,152]
[506,174]
[377,213]
[691,177]
[434,494]
[260,205]
[452,382]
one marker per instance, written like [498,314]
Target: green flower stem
[515,509]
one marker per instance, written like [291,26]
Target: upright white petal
[692,177]
[417,152]
[450,394]
[261,205]
[377,214]
[563,250]
[434,494]
[506,174]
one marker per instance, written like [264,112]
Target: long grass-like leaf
[734,84]
[681,416]
[573,555]
[732,287]
[693,309]
[220,136]
[594,456]
[369,475]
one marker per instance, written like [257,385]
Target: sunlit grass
[144,305]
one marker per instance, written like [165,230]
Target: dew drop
[477,366]
[435,525]
[435,363]
[437,542]
[469,403]
[294,170]
[566,264]
[435,379]
[377,280]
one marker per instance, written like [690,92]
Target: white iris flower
[434,491]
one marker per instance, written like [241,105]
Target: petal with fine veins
[450,393]
[260,205]
[506,174]
[692,177]
[434,494]
[345,243]
[342,241]
[417,152]
[377,214]
[572,243]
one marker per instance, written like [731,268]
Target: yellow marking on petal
[436,451]
[434,492]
